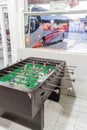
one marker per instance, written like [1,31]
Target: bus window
[85,27]
[47,26]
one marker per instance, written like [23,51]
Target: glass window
[65,32]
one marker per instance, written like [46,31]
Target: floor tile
[82,110]
[83,103]
[2,128]
[56,107]
[19,127]
[73,100]
[81,123]
[82,115]
[63,99]
[59,126]
[70,114]
[49,126]
[50,115]
[6,123]
[71,107]
[47,103]
[79,129]
[65,118]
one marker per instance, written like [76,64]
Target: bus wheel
[43,42]
[62,37]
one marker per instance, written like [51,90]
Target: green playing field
[28,76]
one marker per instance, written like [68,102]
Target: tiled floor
[69,114]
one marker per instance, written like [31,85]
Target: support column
[16,24]
[21,9]
[4,38]
[13,25]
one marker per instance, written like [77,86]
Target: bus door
[51,31]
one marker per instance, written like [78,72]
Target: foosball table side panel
[16,102]
[16,106]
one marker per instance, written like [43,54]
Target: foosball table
[25,86]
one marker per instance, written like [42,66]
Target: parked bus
[84,23]
[42,30]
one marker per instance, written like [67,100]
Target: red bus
[42,30]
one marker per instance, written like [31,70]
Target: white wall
[78,60]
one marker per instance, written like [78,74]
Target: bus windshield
[34,23]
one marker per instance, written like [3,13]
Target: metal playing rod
[17,66]
[56,91]
[53,85]
[7,71]
[24,61]
[67,69]
[69,88]
[2,74]
[21,64]
[72,66]
[64,75]
[67,72]
[73,80]
[11,69]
